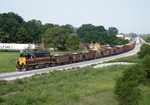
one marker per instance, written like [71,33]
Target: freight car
[35,60]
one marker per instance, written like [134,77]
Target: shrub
[1,99]
[145,64]
[127,86]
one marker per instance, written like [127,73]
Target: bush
[145,64]
[144,50]
[1,99]
[127,86]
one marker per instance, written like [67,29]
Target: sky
[126,15]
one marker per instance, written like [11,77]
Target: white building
[120,36]
[127,37]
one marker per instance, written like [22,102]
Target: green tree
[69,28]
[89,32]
[120,41]
[72,42]
[133,35]
[33,29]
[84,30]
[112,32]
[145,64]
[22,35]
[126,89]
[10,23]
[1,35]
[101,35]
[147,39]
[56,36]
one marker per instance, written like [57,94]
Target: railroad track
[14,75]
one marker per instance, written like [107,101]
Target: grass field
[81,86]
[8,61]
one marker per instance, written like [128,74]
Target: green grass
[131,59]
[8,61]
[81,86]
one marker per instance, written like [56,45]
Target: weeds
[84,86]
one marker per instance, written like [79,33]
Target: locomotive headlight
[22,61]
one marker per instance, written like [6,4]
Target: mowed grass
[8,60]
[80,86]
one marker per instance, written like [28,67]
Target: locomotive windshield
[25,55]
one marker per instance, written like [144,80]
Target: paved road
[110,64]
[14,75]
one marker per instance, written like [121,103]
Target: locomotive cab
[23,57]
[21,64]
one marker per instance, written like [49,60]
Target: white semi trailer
[12,46]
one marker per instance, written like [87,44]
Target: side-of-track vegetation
[80,86]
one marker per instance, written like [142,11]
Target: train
[43,59]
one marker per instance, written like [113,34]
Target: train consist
[36,60]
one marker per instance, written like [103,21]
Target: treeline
[146,37]
[13,29]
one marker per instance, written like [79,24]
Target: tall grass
[81,86]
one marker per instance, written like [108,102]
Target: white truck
[15,46]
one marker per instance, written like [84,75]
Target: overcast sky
[126,15]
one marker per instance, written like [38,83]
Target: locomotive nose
[22,61]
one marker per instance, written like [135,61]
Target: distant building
[127,37]
[120,36]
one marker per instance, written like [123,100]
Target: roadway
[18,75]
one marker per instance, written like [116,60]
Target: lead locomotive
[32,60]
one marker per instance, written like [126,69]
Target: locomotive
[36,60]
